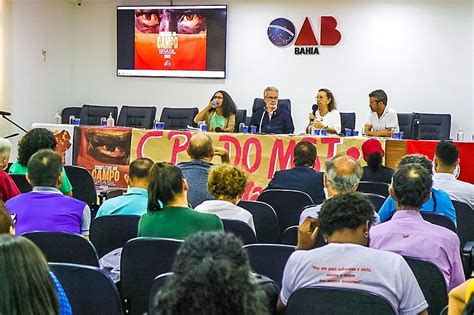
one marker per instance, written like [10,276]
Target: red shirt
[8,188]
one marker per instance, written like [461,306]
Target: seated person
[219,114]
[382,120]
[344,221]
[211,275]
[271,118]
[407,232]
[227,184]
[375,171]
[6,221]
[438,202]
[326,116]
[34,140]
[46,208]
[135,201]
[168,213]
[201,151]
[8,188]
[302,177]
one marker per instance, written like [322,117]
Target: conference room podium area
[107,151]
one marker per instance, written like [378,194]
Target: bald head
[343,173]
[200,147]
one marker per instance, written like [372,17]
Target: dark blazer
[383,175]
[300,178]
[281,121]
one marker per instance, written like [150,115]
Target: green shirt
[217,121]
[177,222]
[19,169]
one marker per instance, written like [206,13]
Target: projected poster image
[176,41]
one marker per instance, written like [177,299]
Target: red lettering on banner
[238,151]
[284,158]
[354,153]
[329,34]
[331,145]
[246,154]
[177,145]
[141,143]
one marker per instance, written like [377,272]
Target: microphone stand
[14,123]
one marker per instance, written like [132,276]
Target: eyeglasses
[219,97]
[272,98]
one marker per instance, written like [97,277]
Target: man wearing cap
[375,171]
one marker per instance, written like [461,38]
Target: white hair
[268,89]
[5,148]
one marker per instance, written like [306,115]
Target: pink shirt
[408,234]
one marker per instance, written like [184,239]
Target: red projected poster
[170,39]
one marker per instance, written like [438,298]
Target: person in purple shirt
[408,234]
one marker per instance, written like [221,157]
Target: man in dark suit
[302,177]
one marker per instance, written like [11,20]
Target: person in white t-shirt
[226,184]
[347,262]
[382,120]
[326,115]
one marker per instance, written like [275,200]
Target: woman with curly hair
[211,276]
[35,140]
[219,114]
[226,184]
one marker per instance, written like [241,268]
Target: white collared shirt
[388,120]
[456,189]
[331,120]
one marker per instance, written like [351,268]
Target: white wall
[420,52]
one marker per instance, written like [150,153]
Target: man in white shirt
[446,160]
[382,120]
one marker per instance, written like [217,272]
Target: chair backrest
[137,116]
[269,259]
[158,283]
[376,200]
[335,301]
[348,120]
[431,282]
[374,188]
[142,260]
[21,182]
[70,111]
[89,289]
[240,229]
[265,220]
[240,117]
[259,103]
[405,122]
[178,118]
[83,187]
[290,237]
[439,219]
[113,231]
[432,126]
[65,248]
[465,222]
[91,114]
[287,204]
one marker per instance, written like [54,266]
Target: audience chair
[70,111]
[348,120]
[248,120]
[405,122]
[91,114]
[83,187]
[21,183]
[259,103]
[465,222]
[178,118]
[376,200]
[290,237]
[337,301]
[287,204]
[439,219]
[431,282]
[137,116]
[374,188]
[240,229]
[142,260]
[158,283]
[432,126]
[240,117]
[269,259]
[110,193]
[65,248]
[265,220]
[89,289]
[113,231]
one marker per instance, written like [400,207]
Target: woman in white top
[226,184]
[326,116]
